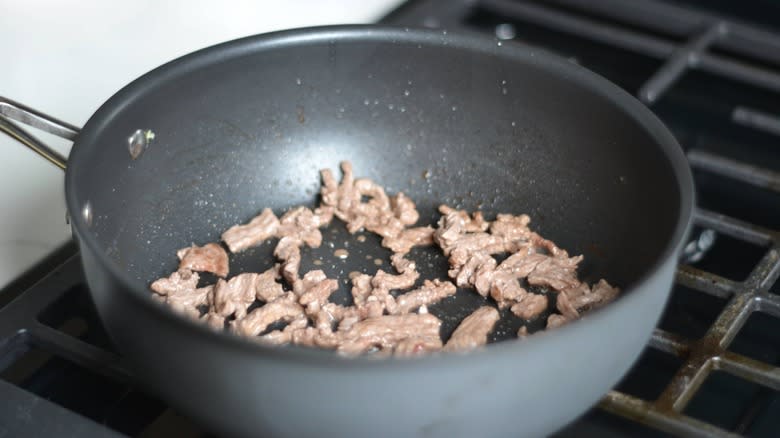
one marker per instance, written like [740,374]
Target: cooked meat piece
[267,288]
[315,289]
[505,289]
[374,191]
[530,306]
[483,279]
[389,282]
[558,273]
[188,301]
[289,252]
[548,245]
[511,227]
[361,289]
[471,243]
[417,345]
[582,297]
[450,228]
[207,258]
[402,264]
[379,300]
[217,322]
[522,332]
[257,230]
[405,210]
[383,224]
[312,337]
[565,306]
[522,263]
[302,224]
[282,309]
[285,335]
[324,215]
[429,293]
[473,330]
[556,320]
[330,188]
[466,276]
[386,331]
[408,238]
[182,280]
[235,295]
[473,224]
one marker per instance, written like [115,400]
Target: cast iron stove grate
[710,368]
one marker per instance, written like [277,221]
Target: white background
[65,58]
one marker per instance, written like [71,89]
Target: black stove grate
[711,367]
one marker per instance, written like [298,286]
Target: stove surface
[711,367]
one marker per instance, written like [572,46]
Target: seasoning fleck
[361,238]
[378,262]
[318,262]
[341,253]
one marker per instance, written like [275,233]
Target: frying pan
[443,117]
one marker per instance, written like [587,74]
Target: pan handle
[10,110]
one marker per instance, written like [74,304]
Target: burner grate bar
[749,369]
[79,352]
[756,119]
[704,281]
[670,343]
[757,176]
[683,57]
[640,42]
[769,304]
[649,414]
[733,227]
[703,352]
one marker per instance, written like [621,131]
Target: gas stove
[709,70]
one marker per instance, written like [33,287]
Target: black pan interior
[249,125]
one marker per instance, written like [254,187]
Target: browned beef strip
[361,289]
[302,224]
[404,209]
[564,305]
[466,275]
[285,335]
[530,306]
[267,288]
[374,191]
[473,330]
[417,345]
[329,192]
[506,289]
[283,308]
[522,332]
[315,289]
[207,258]
[473,224]
[558,273]
[429,293]
[471,243]
[522,263]
[511,227]
[556,320]
[387,331]
[586,298]
[216,322]
[257,230]
[180,291]
[323,215]
[450,229]
[389,282]
[406,239]
[235,295]
[180,281]
[288,250]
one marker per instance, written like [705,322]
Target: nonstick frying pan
[443,117]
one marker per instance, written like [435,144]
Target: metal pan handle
[10,110]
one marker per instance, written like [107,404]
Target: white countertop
[66,58]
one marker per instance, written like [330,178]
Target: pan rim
[381,34]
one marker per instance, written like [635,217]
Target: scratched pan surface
[444,118]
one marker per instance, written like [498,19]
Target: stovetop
[711,367]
